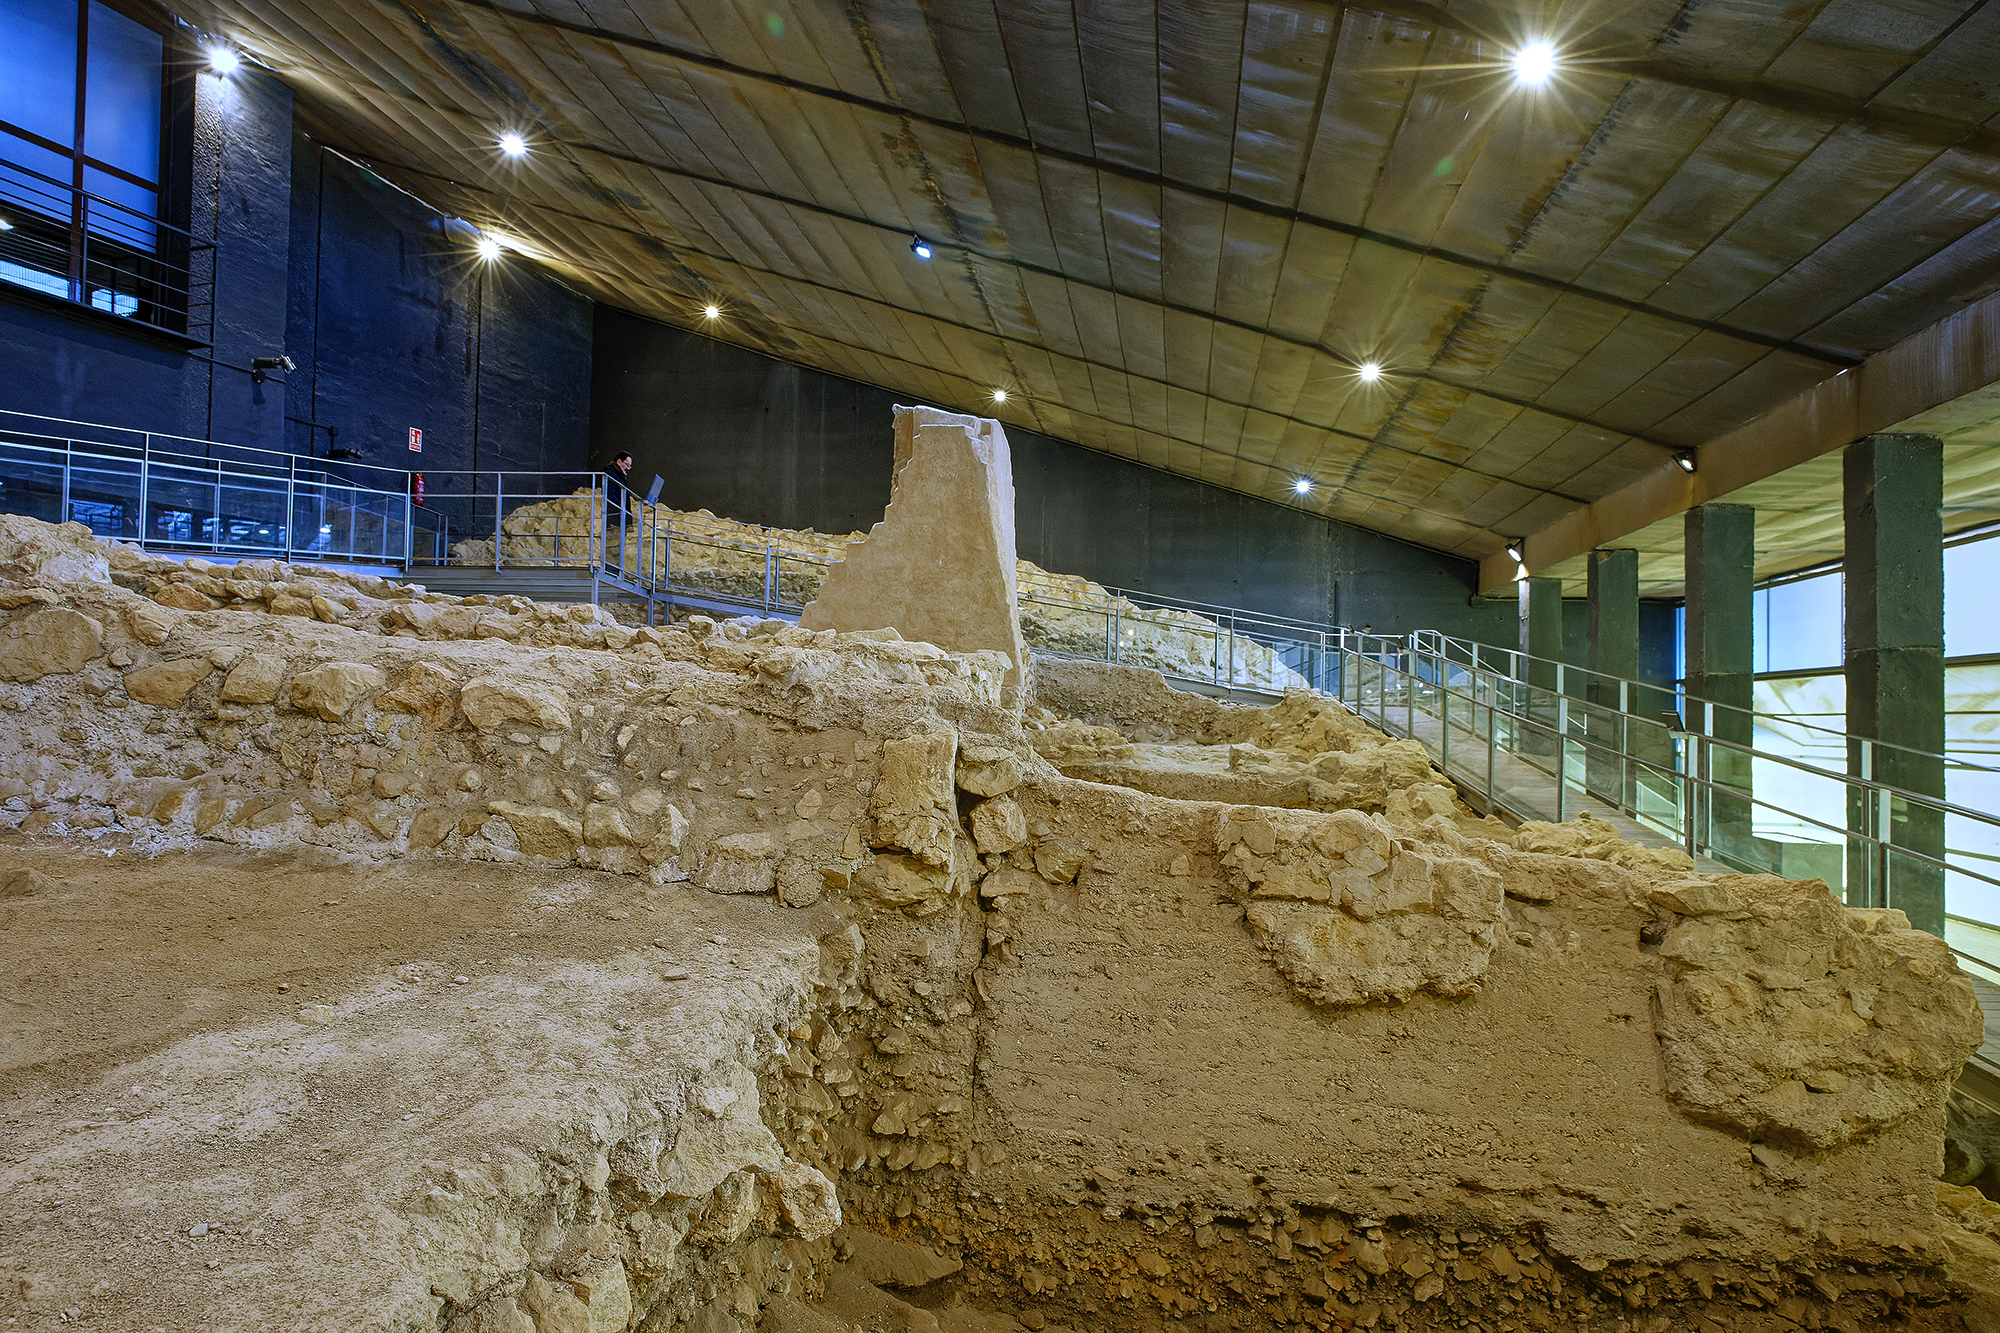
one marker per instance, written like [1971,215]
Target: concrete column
[1721,665]
[1542,637]
[1893,501]
[1614,651]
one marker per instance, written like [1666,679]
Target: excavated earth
[383,960]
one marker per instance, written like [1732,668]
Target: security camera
[260,364]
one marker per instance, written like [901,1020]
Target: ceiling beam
[1956,356]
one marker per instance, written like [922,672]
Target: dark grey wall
[764,441]
[392,321]
[395,323]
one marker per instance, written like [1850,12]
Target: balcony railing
[75,246]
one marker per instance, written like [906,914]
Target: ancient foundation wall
[1106,1055]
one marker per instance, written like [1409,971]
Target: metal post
[1444,722]
[1627,796]
[1562,744]
[291,499]
[1492,727]
[145,477]
[1117,632]
[499,487]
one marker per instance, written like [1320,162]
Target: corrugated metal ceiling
[1173,233]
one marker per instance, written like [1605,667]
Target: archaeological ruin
[384,959]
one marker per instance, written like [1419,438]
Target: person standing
[615,487]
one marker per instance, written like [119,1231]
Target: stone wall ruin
[819,989]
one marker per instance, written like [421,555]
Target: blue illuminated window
[84,161]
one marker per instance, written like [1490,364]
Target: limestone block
[989,771]
[914,804]
[54,641]
[427,690]
[556,1306]
[491,701]
[940,566]
[282,605]
[1338,959]
[1802,1023]
[502,1314]
[327,692]
[14,598]
[32,551]
[668,837]
[739,863]
[150,624]
[604,826]
[430,826]
[998,826]
[168,684]
[254,679]
[1058,860]
[905,881]
[540,830]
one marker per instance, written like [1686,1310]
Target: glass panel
[1799,625]
[38,67]
[122,94]
[1972,599]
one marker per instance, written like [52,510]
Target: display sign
[416,440]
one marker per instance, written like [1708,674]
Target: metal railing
[173,493]
[1544,740]
[81,247]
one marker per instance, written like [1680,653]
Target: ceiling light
[222,58]
[1685,460]
[711,311]
[513,144]
[1514,550]
[1370,371]
[921,248]
[1302,486]
[1534,63]
[5,225]
[999,395]
[489,248]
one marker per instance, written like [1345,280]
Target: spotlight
[1370,371]
[1534,64]
[513,144]
[711,311]
[1514,551]
[921,248]
[1302,486]
[1685,460]
[5,225]
[999,395]
[223,58]
[489,249]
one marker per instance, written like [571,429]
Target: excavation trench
[386,960]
